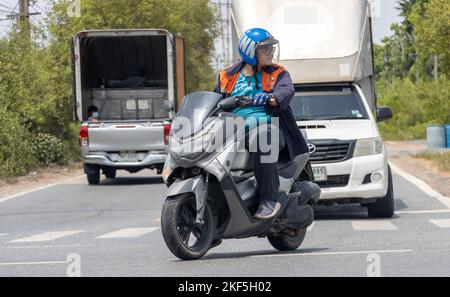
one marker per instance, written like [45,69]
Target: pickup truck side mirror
[384,113]
[168,105]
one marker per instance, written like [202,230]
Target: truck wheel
[93,178]
[384,207]
[288,243]
[183,237]
[110,173]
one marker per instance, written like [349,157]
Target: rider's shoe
[267,210]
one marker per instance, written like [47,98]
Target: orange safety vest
[227,81]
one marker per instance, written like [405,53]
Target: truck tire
[93,178]
[177,226]
[288,243]
[384,207]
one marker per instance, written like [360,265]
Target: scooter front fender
[195,185]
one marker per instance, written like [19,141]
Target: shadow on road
[343,212]
[126,181]
[215,256]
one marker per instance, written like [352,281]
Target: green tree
[399,56]
[433,31]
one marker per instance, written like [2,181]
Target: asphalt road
[113,230]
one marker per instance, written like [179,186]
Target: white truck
[134,79]
[327,48]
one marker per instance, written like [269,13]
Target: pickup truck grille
[334,181]
[329,152]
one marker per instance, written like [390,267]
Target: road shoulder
[40,178]
[401,154]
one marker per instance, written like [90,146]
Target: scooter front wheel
[184,238]
[288,243]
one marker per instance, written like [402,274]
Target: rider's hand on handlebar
[261,99]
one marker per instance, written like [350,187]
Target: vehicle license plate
[320,173]
[128,157]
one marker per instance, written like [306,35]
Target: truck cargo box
[127,74]
[321,41]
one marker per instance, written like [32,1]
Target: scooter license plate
[320,173]
[128,158]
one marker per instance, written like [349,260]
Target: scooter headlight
[368,147]
[191,148]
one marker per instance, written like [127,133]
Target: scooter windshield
[194,110]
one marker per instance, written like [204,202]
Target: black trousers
[266,173]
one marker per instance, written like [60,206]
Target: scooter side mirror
[227,103]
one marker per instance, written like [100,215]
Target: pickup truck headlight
[368,147]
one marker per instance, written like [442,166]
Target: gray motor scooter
[212,192]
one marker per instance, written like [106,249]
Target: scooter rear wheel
[288,243]
[183,237]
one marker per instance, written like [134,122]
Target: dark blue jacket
[283,92]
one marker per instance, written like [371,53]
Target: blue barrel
[436,137]
[447,132]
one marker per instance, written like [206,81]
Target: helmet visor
[268,54]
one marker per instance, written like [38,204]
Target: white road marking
[333,253]
[309,229]
[38,189]
[128,233]
[45,246]
[373,225]
[443,223]
[3,234]
[423,211]
[158,220]
[422,185]
[33,263]
[46,236]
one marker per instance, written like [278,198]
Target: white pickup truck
[134,79]
[348,157]
[327,48]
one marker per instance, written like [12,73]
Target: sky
[8,6]
[385,15]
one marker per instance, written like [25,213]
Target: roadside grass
[442,160]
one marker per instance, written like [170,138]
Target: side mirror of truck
[168,105]
[384,113]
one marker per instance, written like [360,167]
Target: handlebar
[237,101]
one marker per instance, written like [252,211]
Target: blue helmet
[251,40]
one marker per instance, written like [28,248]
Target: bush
[16,156]
[415,106]
[48,149]
[71,144]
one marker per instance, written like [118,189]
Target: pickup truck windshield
[338,104]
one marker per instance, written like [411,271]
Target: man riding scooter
[271,87]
